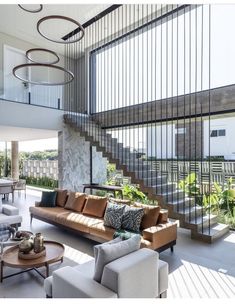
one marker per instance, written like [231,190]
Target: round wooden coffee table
[54,253]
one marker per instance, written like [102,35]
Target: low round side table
[6,244]
[54,253]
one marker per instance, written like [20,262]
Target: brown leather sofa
[87,219]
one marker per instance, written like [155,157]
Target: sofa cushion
[75,201]
[102,231]
[107,254]
[48,199]
[61,197]
[151,214]
[113,215]
[46,212]
[95,206]
[77,221]
[132,218]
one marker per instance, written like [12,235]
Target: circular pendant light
[29,55]
[54,17]
[69,74]
[37,10]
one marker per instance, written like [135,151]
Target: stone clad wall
[74,161]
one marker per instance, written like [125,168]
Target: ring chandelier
[28,65]
[54,17]
[31,11]
[47,64]
[31,51]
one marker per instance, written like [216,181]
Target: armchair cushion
[10,210]
[96,248]
[106,254]
[70,283]
[48,199]
[113,215]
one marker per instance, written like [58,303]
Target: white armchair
[139,274]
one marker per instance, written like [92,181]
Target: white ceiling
[24,134]
[18,23]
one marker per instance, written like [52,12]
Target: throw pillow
[61,197]
[76,201]
[113,215]
[123,234]
[96,248]
[151,214]
[48,199]
[95,206]
[132,218]
[107,254]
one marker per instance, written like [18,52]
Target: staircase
[191,216]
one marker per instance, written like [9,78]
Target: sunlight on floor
[192,280]
[75,255]
[230,238]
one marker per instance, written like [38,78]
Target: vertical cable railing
[146,68]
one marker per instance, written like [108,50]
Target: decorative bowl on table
[26,245]
[31,254]
[21,234]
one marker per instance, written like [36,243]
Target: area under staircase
[191,216]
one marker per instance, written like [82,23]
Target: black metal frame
[92,20]
[153,22]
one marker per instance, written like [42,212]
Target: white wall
[222,145]
[161,141]
[29,116]
[40,95]
[219,146]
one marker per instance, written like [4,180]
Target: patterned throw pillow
[113,215]
[132,218]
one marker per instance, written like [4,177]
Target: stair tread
[201,219]
[162,185]
[172,192]
[180,201]
[188,210]
[214,229]
[141,170]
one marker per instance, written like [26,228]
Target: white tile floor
[197,270]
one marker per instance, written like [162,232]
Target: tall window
[165,58]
